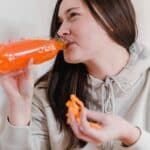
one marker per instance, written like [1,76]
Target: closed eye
[70,16]
[73,14]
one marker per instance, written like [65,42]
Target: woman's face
[86,39]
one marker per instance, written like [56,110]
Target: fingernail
[31,61]
[81,128]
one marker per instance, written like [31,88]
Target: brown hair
[118,19]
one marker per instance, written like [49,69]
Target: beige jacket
[128,95]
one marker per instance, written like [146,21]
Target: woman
[103,65]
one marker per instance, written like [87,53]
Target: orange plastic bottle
[14,56]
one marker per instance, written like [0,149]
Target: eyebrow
[68,10]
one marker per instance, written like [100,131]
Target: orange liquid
[14,56]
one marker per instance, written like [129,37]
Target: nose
[63,30]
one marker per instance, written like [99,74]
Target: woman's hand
[113,127]
[18,87]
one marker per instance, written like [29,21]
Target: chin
[72,56]
[72,60]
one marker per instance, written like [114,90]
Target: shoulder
[142,51]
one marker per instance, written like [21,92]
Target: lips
[69,44]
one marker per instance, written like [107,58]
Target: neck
[110,64]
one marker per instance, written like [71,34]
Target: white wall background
[31,18]
[24,19]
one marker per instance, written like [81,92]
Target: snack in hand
[75,105]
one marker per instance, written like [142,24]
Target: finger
[97,134]
[13,73]
[95,116]
[87,130]
[30,62]
[85,127]
[29,70]
[10,88]
[83,119]
[30,73]
[6,79]
[76,130]
[26,81]
[73,124]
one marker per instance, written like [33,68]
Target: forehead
[67,4]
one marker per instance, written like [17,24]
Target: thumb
[26,80]
[95,116]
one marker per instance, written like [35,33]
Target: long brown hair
[118,19]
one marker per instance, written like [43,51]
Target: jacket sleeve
[142,144]
[32,137]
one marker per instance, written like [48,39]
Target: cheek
[89,38]
[86,35]
[74,55]
[87,43]
[85,47]
[92,37]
